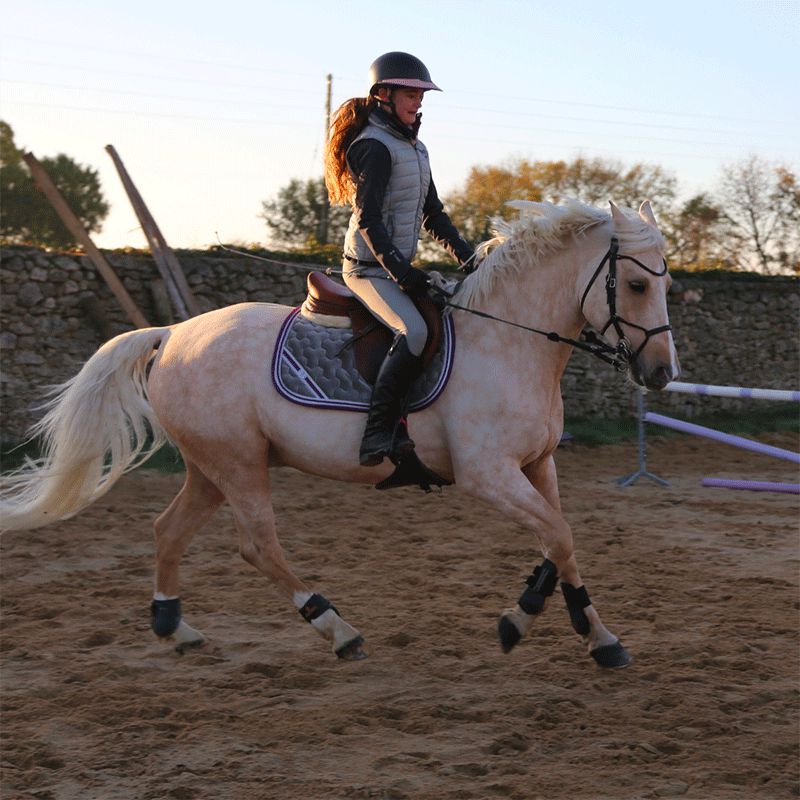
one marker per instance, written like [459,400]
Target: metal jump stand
[628,480]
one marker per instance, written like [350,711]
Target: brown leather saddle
[330,303]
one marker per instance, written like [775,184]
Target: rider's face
[407,102]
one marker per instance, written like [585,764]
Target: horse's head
[625,298]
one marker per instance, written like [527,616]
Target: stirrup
[410,471]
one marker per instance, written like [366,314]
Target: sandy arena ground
[700,584]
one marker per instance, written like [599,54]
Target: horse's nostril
[659,378]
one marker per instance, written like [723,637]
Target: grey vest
[405,194]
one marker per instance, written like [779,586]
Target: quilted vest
[405,194]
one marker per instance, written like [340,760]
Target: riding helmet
[400,69]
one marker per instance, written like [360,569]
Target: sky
[213,107]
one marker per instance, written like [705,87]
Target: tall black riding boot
[399,370]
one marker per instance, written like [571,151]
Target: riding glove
[414,282]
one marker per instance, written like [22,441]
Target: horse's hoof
[509,634]
[353,650]
[186,638]
[182,647]
[612,655]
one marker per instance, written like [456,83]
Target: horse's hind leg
[248,492]
[194,505]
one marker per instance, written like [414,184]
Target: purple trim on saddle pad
[315,366]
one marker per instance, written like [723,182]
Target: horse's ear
[646,213]
[617,216]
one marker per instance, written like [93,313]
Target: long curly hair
[348,121]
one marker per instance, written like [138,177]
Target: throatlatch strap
[540,586]
[315,606]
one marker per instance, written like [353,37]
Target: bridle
[614,319]
[619,356]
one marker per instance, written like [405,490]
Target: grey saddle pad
[314,366]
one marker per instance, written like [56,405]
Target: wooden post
[75,227]
[323,226]
[168,265]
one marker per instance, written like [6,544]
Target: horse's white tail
[98,426]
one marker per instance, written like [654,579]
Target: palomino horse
[492,432]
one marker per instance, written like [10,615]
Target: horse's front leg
[602,645]
[530,498]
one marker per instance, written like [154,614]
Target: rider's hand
[414,282]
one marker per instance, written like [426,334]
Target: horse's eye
[637,286]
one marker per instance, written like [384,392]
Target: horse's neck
[542,296]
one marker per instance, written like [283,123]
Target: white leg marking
[522,622]
[598,635]
[186,635]
[333,628]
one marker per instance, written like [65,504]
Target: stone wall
[55,311]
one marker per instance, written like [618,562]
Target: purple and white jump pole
[709,433]
[719,436]
[733,391]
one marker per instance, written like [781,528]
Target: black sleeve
[441,228]
[371,167]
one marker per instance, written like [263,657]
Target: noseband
[623,351]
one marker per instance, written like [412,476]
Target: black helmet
[400,69]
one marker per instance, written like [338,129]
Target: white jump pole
[741,392]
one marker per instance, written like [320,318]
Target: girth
[332,304]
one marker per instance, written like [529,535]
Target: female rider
[375,162]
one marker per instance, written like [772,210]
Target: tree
[294,215]
[761,211]
[594,181]
[695,233]
[25,213]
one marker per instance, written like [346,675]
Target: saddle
[330,304]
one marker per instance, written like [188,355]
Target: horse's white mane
[543,228]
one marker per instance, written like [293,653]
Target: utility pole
[323,223]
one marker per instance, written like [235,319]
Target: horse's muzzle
[655,378]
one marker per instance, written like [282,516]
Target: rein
[620,356]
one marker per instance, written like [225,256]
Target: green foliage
[294,216]
[695,234]
[25,213]
[594,181]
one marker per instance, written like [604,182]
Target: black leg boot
[399,370]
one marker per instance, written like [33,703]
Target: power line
[217,100]
[161,78]
[528,145]
[149,95]
[139,54]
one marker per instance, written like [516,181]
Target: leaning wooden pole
[75,227]
[168,265]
